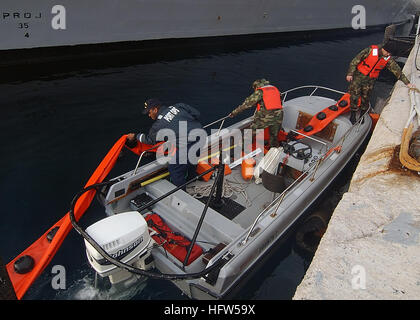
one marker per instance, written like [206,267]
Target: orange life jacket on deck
[271,97]
[373,65]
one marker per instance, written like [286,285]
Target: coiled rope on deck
[229,189]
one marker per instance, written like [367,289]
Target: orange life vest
[271,98]
[372,65]
[171,241]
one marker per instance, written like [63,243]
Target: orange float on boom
[42,251]
[158,148]
[141,147]
[324,117]
[203,166]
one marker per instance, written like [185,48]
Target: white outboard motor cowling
[125,237]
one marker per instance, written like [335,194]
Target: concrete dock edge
[371,249]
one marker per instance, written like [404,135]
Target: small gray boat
[207,238]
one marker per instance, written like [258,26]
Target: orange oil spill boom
[141,147]
[41,252]
[324,117]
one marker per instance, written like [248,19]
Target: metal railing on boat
[308,172]
[315,88]
[222,120]
[311,171]
[154,147]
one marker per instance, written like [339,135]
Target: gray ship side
[38,24]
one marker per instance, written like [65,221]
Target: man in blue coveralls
[181,119]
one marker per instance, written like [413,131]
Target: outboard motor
[125,237]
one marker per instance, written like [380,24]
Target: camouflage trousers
[361,87]
[269,118]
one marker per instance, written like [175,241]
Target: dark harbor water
[57,127]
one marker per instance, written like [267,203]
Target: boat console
[296,154]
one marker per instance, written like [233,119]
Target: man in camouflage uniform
[361,85]
[263,118]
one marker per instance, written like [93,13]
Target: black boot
[362,113]
[353,117]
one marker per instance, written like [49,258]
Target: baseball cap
[151,103]
[390,46]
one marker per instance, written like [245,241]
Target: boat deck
[248,209]
[243,200]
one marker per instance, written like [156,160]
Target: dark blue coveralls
[170,118]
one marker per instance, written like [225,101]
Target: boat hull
[250,235]
[280,222]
